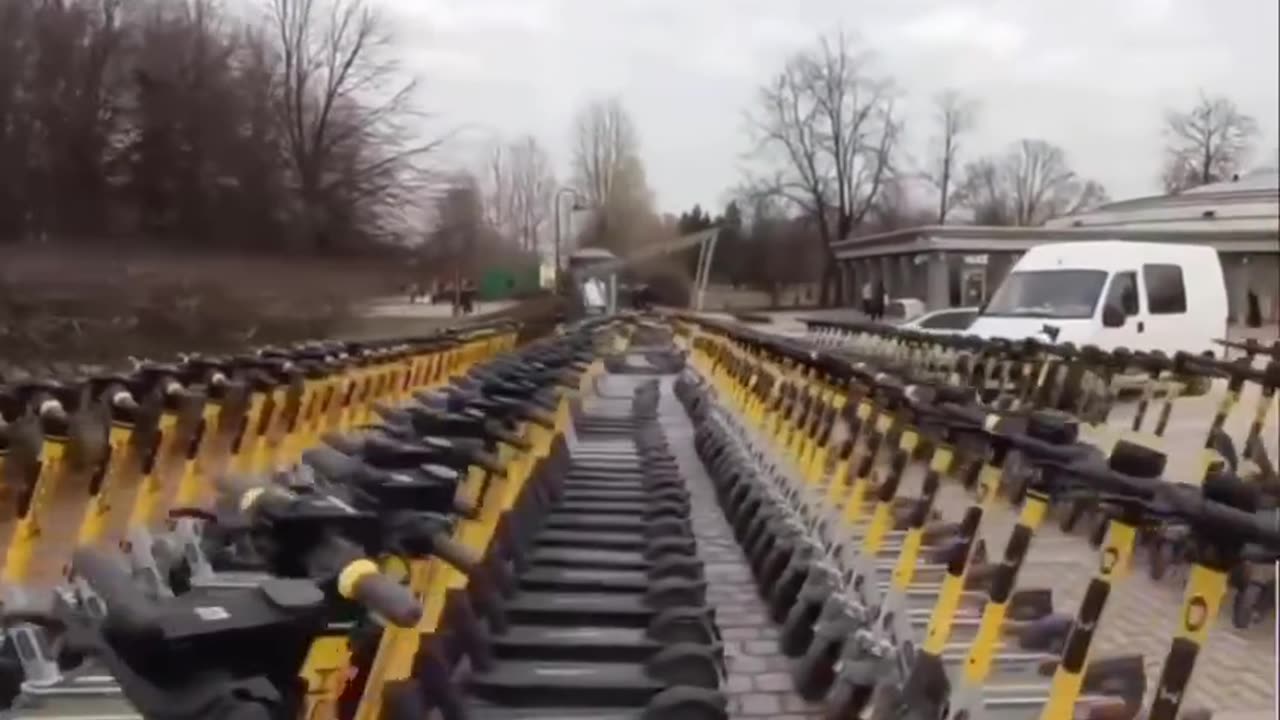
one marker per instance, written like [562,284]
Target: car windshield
[1048,294]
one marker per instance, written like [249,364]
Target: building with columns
[959,265]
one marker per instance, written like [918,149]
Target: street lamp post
[577,203]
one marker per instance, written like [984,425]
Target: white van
[1139,295]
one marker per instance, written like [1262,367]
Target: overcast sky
[1093,76]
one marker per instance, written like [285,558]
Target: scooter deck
[629,508]
[579,608]
[636,484]
[602,479]
[585,580]
[590,558]
[484,711]
[574,494]
[571,538]
[539,682]
[591,644]
[625,470]
[87,700]
[616,523]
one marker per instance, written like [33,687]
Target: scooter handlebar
[488,462]
[1220,518]
[507,437]
[461,557]
[362,583]
[250,495]
[528,410]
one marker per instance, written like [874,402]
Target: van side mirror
[1112,316]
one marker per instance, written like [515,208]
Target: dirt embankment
[70,306]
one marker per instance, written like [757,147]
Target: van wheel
[846,700]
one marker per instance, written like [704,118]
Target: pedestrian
[868,295]
[468,297]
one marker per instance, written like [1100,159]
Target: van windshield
[1048,294]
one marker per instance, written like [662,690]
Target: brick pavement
[1236,669]
[1236,672]
[758,683]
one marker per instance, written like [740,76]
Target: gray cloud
[1091,75]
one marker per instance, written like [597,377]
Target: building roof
[592,253]
[1250,202]
[980,239]
[1241,215]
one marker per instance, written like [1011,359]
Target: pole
[555,268]
[559,230]
[703,275]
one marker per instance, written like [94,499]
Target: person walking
[868,297]
[879,301]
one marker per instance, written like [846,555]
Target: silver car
[948,321]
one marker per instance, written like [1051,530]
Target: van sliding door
[1123,293]
[1169,328]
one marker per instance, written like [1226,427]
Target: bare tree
[955,115]
[499,205]
[344,115]
[1208,143]
[533,187]
[1027,185]
[607,170]
[60,73]
[828,126]
[604,139]
[983,190]
[1089,195]
[456,241]
[1041,182]
[519,186]
[894,209]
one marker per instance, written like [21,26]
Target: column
[938,283]
[1265,268]
[846,282]
[1236,275]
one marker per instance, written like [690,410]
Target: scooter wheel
[786,590]
[796,632]
[774,565]
[1158,558]
[846,700]
[11,678]
[1244,607]
[1098,533]
[815,671]
[401,702]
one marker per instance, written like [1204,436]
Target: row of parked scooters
[350,531]
[1087,382]
[828,463]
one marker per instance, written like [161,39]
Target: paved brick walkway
[759,685]
[1235,676]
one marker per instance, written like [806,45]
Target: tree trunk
[832,286]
